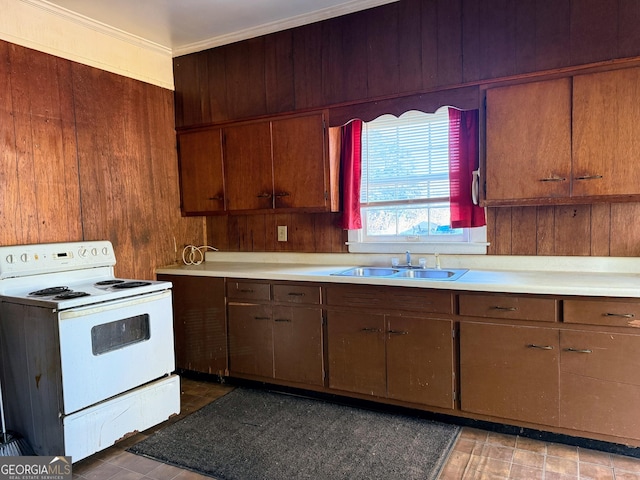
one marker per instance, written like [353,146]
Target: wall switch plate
[282,233]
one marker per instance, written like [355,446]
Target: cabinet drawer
[624,313]
[303,294]
[390,299]
[509,307]
[248,290]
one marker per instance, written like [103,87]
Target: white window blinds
[405,160]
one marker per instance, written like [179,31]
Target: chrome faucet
[408,258]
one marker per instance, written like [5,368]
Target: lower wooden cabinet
[600,382]
[199,323]
[403,358]
[275,332]
[510,372]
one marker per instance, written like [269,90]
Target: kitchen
[92,153]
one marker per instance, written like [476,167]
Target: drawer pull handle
[248,290]
[623,315]
[264,195]
[541,347]
[589,177]
[553,179]
[215,198]
[398,332]
[296,294]
[370,330]
[577,350]
[282,194]
[262,318]
[505,309]
[282,320]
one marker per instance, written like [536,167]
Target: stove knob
[105,251]
[83,252]
[10,258]
[24,257]
[94,252]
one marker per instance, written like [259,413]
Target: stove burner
[108,282]
[45,292]
[69,295]
[131,284]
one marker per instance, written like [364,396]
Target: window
[405,188]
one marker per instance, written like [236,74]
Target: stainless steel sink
[400,272]
[432,274]
[368,272]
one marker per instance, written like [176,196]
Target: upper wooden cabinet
[201,177]
[261,166]
[248,172]
[278,164]
[528,151]
[606,133]
[568,140]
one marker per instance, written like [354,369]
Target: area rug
[254,434]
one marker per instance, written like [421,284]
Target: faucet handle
[437,260]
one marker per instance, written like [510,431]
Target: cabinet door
[199,323]
[510,371]
[201,174]
[247,162]
[420,360]
[606,135]
[600,383]
[250,340]
[300,167]
[356,352]
[297,344]
[528,141]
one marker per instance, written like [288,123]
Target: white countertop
[589,276]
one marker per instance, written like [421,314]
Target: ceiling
[185,26]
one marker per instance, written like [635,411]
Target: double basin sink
[404,272]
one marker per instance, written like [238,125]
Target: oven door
[110,348]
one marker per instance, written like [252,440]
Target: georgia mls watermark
[35,468]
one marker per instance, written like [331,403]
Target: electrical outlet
[282,233]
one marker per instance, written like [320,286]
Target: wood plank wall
[406,48]
[89,155]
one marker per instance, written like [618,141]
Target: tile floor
[476,455]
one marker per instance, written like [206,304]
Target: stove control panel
[23,260]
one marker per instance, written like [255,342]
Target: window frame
[472,240]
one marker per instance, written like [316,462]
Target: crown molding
[98,26]
[267,28]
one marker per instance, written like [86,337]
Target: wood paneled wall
[399,48]
[407,48]
[89,155]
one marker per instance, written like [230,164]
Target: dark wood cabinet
[248,166]
[356,352]
[199,321]
[381,343]
[278,164]
[250,340]
[510,372]
[566,140]
[600,382]
[420,360]
[528,126]
[201,172]
[276,332]
[606,133]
